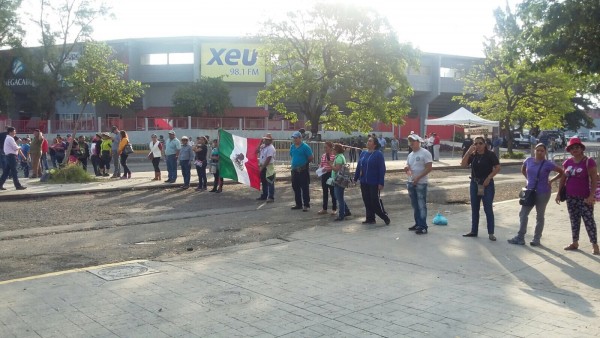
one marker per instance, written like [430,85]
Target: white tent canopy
[461,117]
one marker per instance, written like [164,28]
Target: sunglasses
[576,146]
[478,143]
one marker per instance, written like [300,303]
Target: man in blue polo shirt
[301,155]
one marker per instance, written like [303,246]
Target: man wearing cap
[116,139]
[301,155]
[418,166]
[266,161]
[172,148]
[35,151]
[13,152]
[186,157]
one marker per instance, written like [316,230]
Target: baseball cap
[171,132]
[296,134]
[414,137]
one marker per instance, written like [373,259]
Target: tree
[563,33]
[63,29]
[333,58]
[205,96]
[98,77]
[509,88]
[10,26]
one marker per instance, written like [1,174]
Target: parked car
[521,140]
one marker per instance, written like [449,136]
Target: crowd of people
[577,177]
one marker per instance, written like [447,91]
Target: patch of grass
[71,173]
[514,156]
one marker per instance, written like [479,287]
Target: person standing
[484,166]
[467,143]
[537,173]
[105,154]
[84,152]
[218,180]
[35,151]
[328,189]
[370,171]
[172,148]
[436,147]
[155,154]
[266,161]
[430,141]
[418,166]
[12,152]
[25,147]
[95,153]
[186,157]
[580,181]
[337,164]
[301,155]
[116,143]
[382,144]
[395,146]
[124,141]
[201,151]
[59,151]
[45,150]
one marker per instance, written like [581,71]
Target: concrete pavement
[330,280]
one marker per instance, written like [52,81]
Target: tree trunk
[73,135]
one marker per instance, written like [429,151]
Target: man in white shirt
[266,161]
[12,152]
[418,166]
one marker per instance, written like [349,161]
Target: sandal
[322,212]
[572,247]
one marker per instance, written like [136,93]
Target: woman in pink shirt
[581,177]
[326,161]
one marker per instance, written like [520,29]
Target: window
[181,58]
[154,59]
[167,59]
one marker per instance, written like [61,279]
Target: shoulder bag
[527,196]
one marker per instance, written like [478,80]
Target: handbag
[198,163]
[212,168]
[562,193]
[128,149]
[527,196]
[151,156]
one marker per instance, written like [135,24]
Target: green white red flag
[238,159]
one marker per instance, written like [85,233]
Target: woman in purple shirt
[581,177]
[543,190]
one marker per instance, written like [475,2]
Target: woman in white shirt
[154,155]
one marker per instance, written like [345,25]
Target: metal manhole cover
[227,298]
[122,271]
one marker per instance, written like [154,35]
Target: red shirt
[44,146]
[436,140]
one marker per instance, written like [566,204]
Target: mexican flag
[238,159]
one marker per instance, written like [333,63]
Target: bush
[514,156]
[71,173]
[458,137]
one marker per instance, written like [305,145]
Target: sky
[457,27]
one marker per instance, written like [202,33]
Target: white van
[595,135]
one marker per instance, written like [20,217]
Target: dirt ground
[58,233]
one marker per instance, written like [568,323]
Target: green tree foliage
[208,96]
[508,87]
[10,25]
[563,32]
[333,58]
[64,26]
[98,77]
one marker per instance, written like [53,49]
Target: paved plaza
[330,280]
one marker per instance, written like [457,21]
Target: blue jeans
[418,199]
[343,209]
[186,171]
[2,160]
[44,162]
[172,167]
[488,199]
[394,155]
